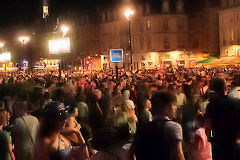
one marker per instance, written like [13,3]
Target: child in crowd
[201,149]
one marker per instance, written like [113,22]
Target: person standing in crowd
[161,138]
[5,138]
[72,128]
[223,117]
[50,143]
[24,133]
[235,89]
[146,114]
[201,148]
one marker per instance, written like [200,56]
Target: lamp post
[24,40]
[2,56]
[128,13]
[64,30]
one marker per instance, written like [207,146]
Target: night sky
[26,11]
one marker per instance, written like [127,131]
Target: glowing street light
[64,30]
[4,58]
[128,13]
[24,40]
[1,44]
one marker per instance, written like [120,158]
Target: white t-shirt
[24,135]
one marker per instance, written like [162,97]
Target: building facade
[229,28]
[156,38]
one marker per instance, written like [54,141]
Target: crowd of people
[170,114]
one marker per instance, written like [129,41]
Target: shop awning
[207,60]
[226,61]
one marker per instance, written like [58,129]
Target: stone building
[229,28]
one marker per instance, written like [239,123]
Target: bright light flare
[24,40]
[1,44]
[4,57]
[64,29]
[128,13]
[59,46]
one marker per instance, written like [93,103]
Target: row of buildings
[166,34]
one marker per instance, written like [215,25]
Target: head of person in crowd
[3,118]
[58,95]
[98,93]
[218,85]
[126,94]
[2,105]
[163,104]
[199,121]
[147,104]
[179,89]
[20,108]
[111,85]
[53,119]
[235,84]
[72,109]
[80,95]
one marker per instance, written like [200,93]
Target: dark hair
[161,100]
[1,104]
[58,95]
[218,85]
[53,114]
[201,119]
[2,117]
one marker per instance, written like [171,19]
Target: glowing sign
[116,55]
[5,57]
[45,11]
[59,46]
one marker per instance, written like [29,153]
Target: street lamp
[24,40]
[64,30]
[1,44]
[128,13]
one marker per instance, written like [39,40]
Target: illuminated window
[148,24]
[166,42]
[165,25]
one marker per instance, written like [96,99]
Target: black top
[157,140]
[224,113]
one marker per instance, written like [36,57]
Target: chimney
[165,6]
[179,6]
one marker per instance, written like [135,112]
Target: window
[166,42]
[148,24]
[141,42]
[232,36]
[238,36]
[180,42]
[195,43]
[165,25]
[180,24]
[149,42]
